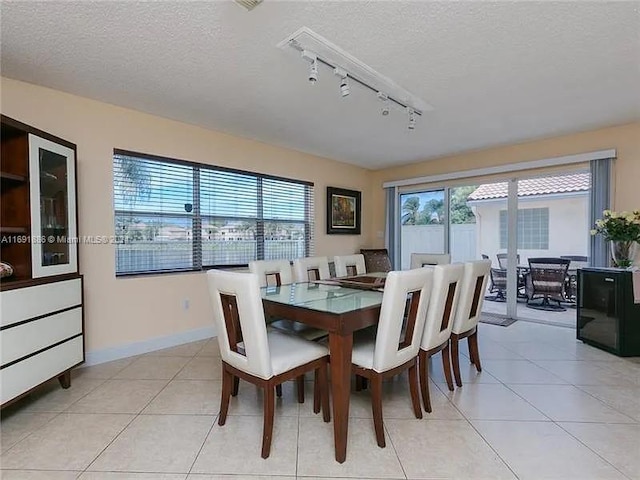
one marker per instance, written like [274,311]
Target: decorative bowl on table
[6,270]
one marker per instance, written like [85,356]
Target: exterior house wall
[568,226]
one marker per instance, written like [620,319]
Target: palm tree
[132,178]
[411,207]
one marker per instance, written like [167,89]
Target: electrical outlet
[185,304]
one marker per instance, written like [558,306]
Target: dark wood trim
[448,308]
[44,315]
[40,133]
[8,284]
[37,352]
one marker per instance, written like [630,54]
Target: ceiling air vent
[249,4]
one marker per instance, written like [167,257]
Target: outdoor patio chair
[571,284]
[498,285]
[546,279]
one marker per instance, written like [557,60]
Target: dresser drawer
[23,339]
[24,375]
[25,303]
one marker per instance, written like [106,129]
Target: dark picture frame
[344,211]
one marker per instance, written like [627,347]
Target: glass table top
[324,298]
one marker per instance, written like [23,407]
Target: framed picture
[343,211]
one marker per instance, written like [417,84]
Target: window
[533,229]
[173,215]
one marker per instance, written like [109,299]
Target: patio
[566,318]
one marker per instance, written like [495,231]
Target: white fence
[155,256]
[430,239]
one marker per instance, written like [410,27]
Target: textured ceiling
[496,73]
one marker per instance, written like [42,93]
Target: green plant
[619,227]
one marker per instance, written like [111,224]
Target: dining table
[340,310]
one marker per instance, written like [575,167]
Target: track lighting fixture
[351,72]
[345,90]
[312,58]
[384,110]
[412,118]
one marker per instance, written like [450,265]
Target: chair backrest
[311,268]
[419,260]
[349,265]
[376,259]
[272,272]
[442,305]
[503,261]
[239,317]
[415,285]
[472,288]
[548,274]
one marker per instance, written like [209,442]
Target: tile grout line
[135,416]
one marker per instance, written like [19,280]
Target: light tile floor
[545,407]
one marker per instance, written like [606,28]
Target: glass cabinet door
[53,208]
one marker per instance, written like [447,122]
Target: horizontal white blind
[172,216]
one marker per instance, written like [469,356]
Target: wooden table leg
[340,348]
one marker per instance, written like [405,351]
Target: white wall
[568,227]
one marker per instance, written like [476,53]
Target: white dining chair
[277,273]
[465,324]
[349,265]
[311,268]
[249,352]
[437,329]
[419,260]
[394,348]
[272,272]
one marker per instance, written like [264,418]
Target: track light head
[412,118]
[384,110]
[312,58]
[345,90]
[313,72]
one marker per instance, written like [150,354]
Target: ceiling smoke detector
[249,4]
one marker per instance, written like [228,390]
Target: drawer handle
[609,279]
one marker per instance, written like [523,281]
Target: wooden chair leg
[455,360]
[267,426]
[413,388]
[423,364]
[473,345]
[358,383]
[317,384]
[300,385]
[227,381]
[322,386]
[446,365]
[236,385]
[376,405]
[279,390]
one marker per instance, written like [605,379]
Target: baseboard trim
[146,346]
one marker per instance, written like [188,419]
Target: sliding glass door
[508,222]
[423,217]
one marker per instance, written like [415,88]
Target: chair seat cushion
[288,351]
[362,355]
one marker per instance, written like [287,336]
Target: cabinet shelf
[12,177]
[16,230]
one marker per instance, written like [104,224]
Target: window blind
[172,215]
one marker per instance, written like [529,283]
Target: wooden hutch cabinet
[41,326]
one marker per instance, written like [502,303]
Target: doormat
[496,320]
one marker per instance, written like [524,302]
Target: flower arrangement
[623,230]
[623,226]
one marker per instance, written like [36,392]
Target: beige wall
[624,138]
[125,310]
